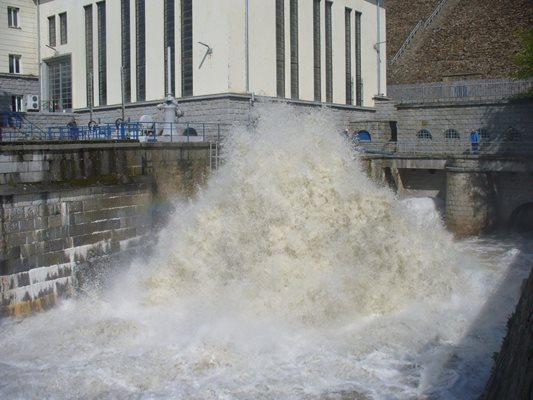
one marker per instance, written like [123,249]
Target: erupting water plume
[291,227]
[291,275]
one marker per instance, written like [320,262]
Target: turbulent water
[290,276]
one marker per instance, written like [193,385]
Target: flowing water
[290,276]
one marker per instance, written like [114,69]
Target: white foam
[291,276]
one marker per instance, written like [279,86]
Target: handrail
[402,48]
[140,131]
[419,26]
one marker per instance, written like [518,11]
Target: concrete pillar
[470,198]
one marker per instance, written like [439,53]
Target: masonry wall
[16,85]
[227,110]
[66,208]
[48,237]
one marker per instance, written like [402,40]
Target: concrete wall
[479,193]
[511,376]
[66,208]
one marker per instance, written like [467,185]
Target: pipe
[39,63]
[169,76]
[378,47]
[247,46]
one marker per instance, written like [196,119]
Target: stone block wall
[47,236]
[65,208]
[16,85]
[226,109]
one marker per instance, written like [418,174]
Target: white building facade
[99,53]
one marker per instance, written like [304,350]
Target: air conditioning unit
[32,102]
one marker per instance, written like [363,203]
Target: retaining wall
[65,208]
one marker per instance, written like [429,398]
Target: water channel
[290,276]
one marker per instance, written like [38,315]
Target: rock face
[473,39]
[512,376]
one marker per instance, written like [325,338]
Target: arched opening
[424,134]
[522,218]
[452,134]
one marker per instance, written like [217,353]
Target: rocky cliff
[471,39]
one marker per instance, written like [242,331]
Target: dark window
[424,134]
[451,134]
[317,59]
[16,103]
[60,83]
[294,48]
[358,75]
[280,48]
[140,49]
[186,48]
[89,54]
[329,54]
[52,31]
[13,20]
[102,58]
[484,134]
[63,28]
[126,48]
[14,64]
[348,53]
[170,42]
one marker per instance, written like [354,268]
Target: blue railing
[19,130]
[121,131]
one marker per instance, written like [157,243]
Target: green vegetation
[524,58]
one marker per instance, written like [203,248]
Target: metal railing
[497,89]
[407,41]
[428,147]
[418,27]
[116,131]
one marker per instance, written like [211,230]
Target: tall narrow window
[52,31]
[186,48]
[140,49]
[60,83]
[126,48]
[348,53]
[13,17]
[329,53]
[102,56]
[280,48]
[170,42]
[63,28]
[294,48]
[89,54]
[16,103]
[317,59]
[14,64]
[358,77]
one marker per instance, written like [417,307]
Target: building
[97,54]
[19,61]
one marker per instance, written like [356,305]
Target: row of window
[52,41]
[140,48]
[317,55]
[451,134]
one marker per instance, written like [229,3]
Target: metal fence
[121,131]
[428,147]
[459,91]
